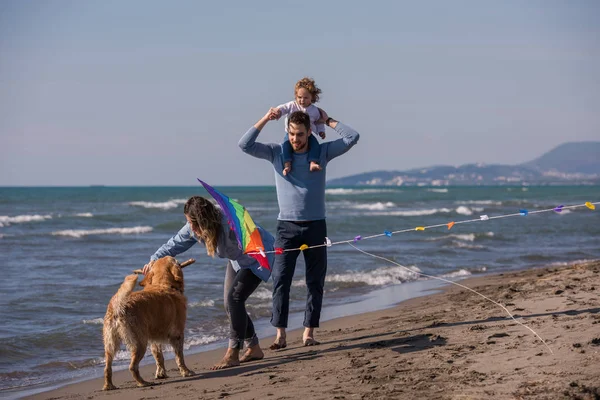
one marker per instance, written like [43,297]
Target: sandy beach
[448,345]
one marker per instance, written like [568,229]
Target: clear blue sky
[158,93]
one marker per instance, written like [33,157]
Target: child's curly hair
[308,84]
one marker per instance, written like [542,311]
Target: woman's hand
[147,267]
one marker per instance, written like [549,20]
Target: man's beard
[299,147]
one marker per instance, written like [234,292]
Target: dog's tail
[124,291]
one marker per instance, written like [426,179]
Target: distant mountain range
[575,163]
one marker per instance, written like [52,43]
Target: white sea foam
[165,205]
[412,213]
[378,277]
[438,190]
[481,202]
[463,245]
[341,191]
[262,294]
[198,341]
[467,237]
[373,206]
[5,220]
[569,263]
[95,321]
[84,215]
[462,210]
[205,303]
[189,342]
[456,274]
[78,233]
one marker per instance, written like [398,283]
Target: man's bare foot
[308,337]
[314,167]
[252,354]
[287,168]
[310,342]
[231,359]
[279,342]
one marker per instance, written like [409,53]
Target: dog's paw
[161,375]
[187,372]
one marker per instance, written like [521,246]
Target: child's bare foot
[314,167]
[322,134]
[287,168]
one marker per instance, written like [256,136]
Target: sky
[159,92]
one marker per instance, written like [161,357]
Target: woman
[208,225]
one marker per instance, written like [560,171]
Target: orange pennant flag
[450,225]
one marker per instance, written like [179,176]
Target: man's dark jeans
[292,235]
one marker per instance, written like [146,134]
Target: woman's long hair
[205,220]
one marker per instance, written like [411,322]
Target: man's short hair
[299,118]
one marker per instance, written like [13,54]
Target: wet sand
[449,345]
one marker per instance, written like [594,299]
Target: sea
[66,250]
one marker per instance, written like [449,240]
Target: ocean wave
[205,303]
[95,321]
[480,202]
[467,237]
[262,294]
[378,277]
[373,206]
[412,213]
[438,190]
[165,205]
[462,210]
[456,274]
[569,263]
[463,245]
[78,233]
[84,215]
[125,355]
[198,341]
[341,191]
[5,220]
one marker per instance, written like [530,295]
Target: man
[301,220]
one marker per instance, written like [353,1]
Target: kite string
[428,227]
[459,285]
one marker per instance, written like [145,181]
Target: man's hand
[323,120]
[269,116]
[276,113]
[147,267]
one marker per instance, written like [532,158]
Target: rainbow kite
[248,236]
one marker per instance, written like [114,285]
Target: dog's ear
[147,279]
[177,274]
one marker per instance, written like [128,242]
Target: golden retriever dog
[154,315]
